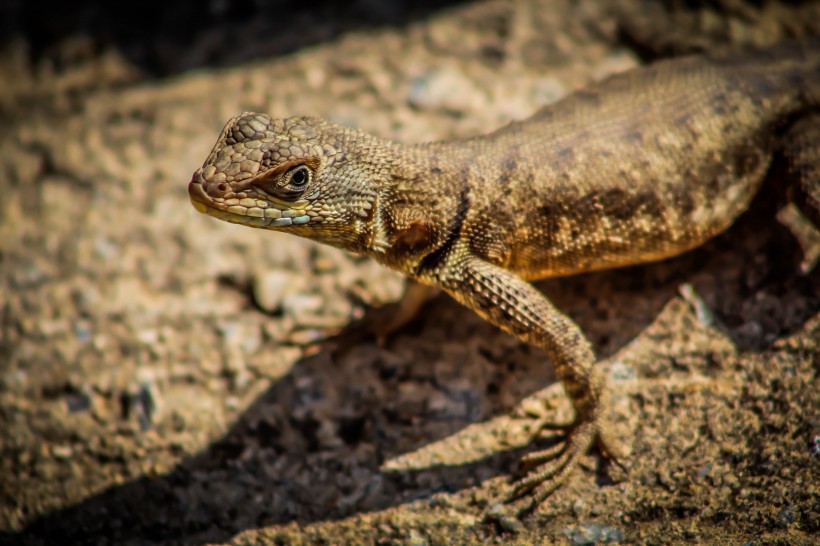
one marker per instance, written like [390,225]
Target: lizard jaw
[270,217]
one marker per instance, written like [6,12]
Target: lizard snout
[201,199]
[202,187]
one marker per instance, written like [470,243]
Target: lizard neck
[420,208]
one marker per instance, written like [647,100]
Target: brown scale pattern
[642,166]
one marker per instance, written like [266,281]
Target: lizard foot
[550,468]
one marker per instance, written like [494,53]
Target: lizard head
[302,175]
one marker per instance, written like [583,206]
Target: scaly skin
[642,166]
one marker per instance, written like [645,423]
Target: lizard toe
[550,468]
[553,465]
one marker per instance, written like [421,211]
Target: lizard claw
[550,468]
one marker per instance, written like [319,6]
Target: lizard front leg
[518,308]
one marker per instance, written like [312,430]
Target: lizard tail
[799,62]
[812,83]
[788,72]
[804,59]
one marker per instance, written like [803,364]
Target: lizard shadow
[312,447]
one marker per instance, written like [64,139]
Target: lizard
[641,166]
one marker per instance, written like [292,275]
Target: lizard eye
[287,182]
[298,178]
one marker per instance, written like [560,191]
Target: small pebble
[269,288]
[590,533]
[507,523]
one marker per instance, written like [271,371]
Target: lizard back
[642,166]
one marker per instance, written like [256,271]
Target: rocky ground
[168,378]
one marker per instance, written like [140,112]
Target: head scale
[297,174]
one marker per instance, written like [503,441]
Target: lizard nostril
[217,190]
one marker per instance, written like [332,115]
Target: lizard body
[642,166]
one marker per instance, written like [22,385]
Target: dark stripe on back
[437,257]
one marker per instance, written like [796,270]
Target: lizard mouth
[247,211]
[199,199]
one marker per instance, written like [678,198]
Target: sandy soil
[168,378]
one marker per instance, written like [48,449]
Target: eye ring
[298,177]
